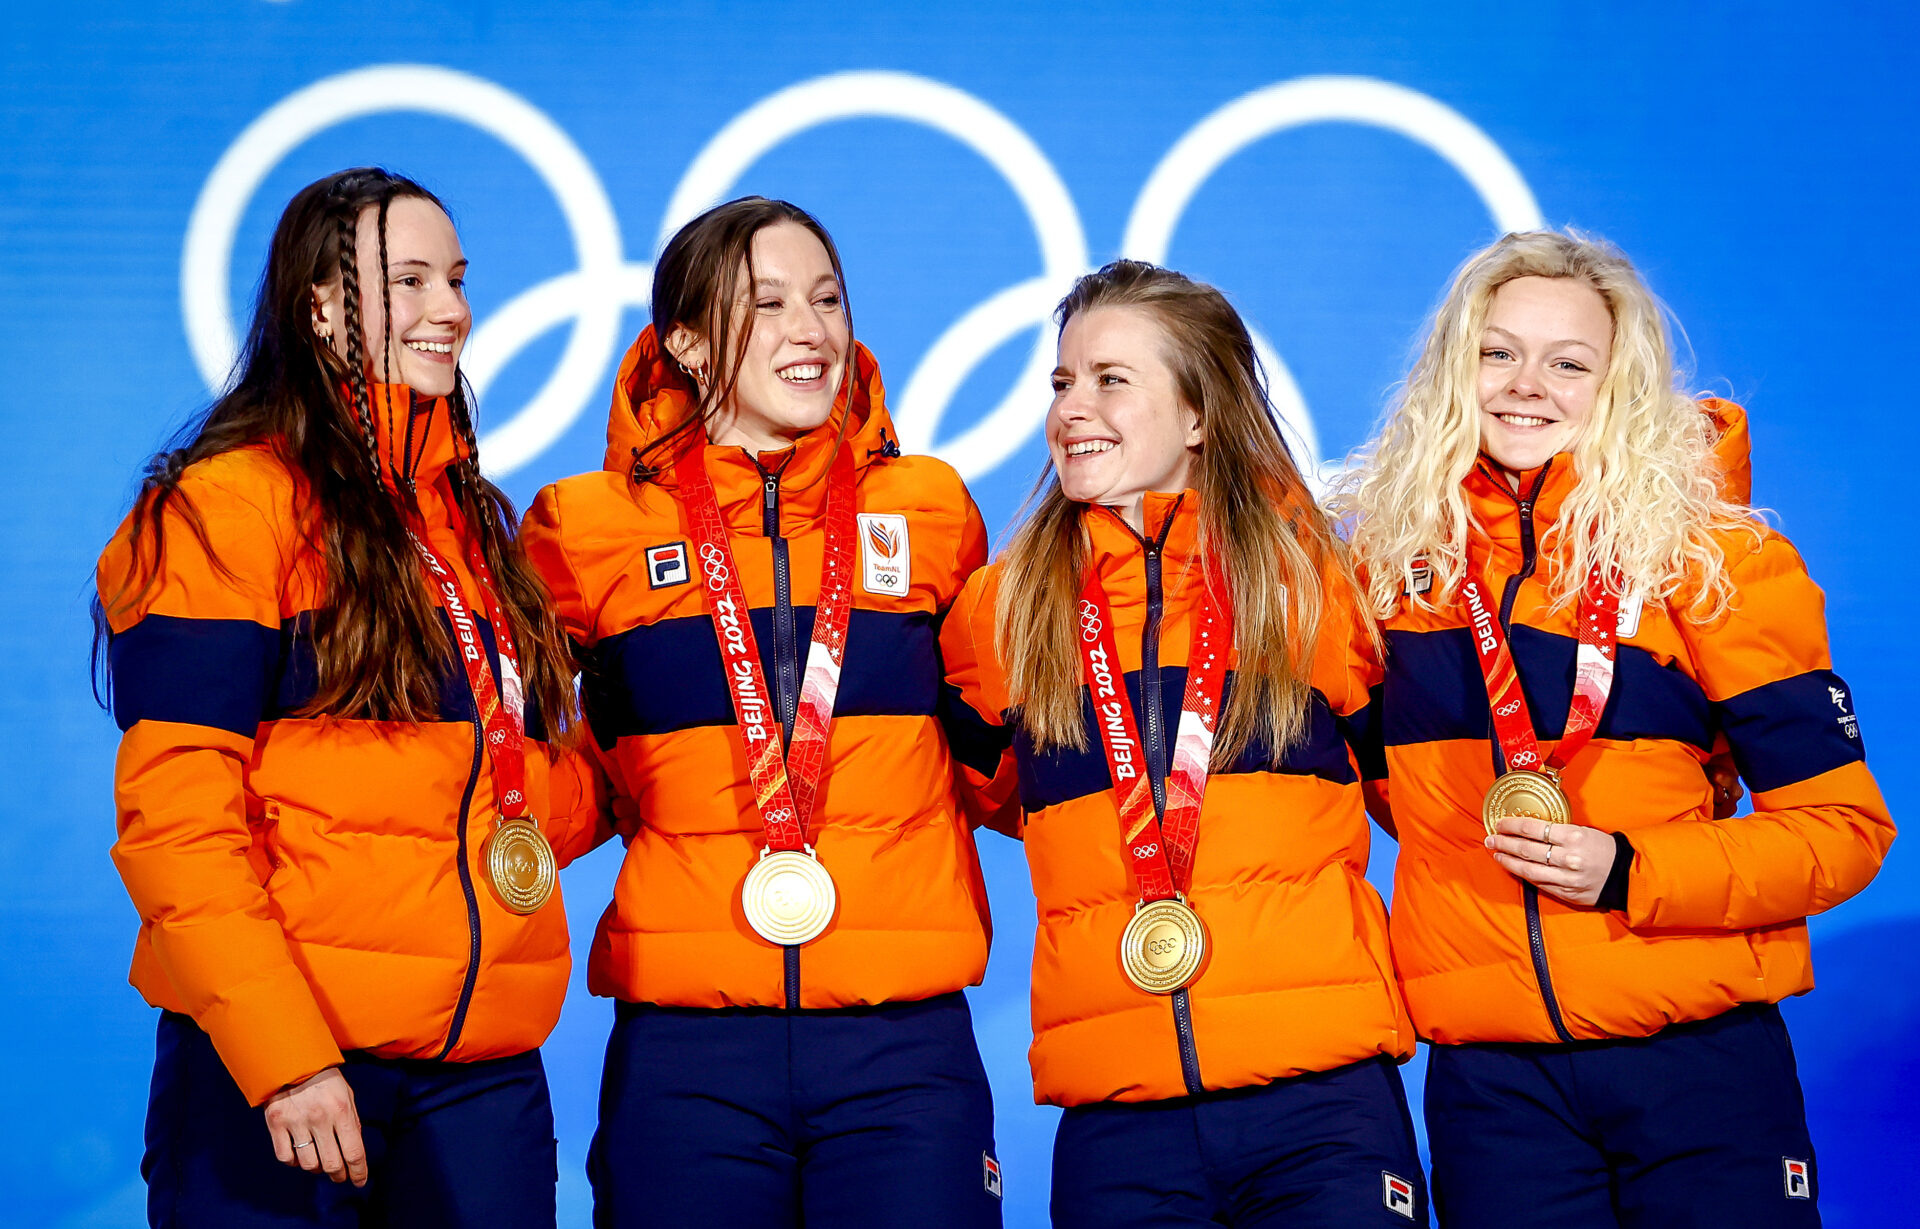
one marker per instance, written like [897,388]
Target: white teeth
[802,372]
[431,347]
[1087,447]
[1522,420]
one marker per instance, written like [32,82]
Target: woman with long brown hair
[339,810]
[755,580]
[1169,651]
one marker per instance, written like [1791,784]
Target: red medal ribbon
[1593,673]
[500,710]
[1162,850]
[784,784]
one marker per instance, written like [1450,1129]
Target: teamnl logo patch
[667,565]
[1799,1177]
[1397,1193]
[885,553]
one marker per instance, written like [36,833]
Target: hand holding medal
[1530,824]
[1564,860]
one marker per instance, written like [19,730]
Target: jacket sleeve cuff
[1613,893]
[266,1044]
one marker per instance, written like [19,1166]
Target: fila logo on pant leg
[991,1170]
[1799,1176]
[667,565]
[1397,1193]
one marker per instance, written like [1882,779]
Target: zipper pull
[770,505]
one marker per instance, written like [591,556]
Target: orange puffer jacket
[1298,978]
[305,884]
[618,555]
[1715,909]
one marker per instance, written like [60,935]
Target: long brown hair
[380,644]
[1257,519]
[697,283]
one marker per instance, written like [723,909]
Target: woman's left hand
[1566,860]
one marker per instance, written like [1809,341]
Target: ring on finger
[1549,858]
[305,1144]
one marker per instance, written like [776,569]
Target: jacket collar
[651,396]
[434,446]
[1171,519]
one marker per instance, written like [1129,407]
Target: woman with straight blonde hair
[1163,662]
[1578,607]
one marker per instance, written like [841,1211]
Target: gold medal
[520,866]
[788,897]
[1524,794]
[1163,946]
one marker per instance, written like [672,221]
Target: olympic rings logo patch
[595,294]
[1146,851]
[1509,709]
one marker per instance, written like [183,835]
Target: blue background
[1757,160]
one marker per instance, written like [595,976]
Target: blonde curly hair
[1649,501]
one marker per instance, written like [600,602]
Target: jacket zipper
[1155,738]
[466,886]
[786,680]
[1536,938]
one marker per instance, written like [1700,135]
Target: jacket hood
[1733,451]
[651,395]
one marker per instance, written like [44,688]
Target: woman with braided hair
[339,808]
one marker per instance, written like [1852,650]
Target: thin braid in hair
[387,356]
[349,222]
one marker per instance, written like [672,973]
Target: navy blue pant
[447,1144]
[1331,1149]
[764,1117]
[1701,1124]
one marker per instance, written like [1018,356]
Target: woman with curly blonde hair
[1578,607]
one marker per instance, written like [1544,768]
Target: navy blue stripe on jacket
[976,742]
[1362,731]
[1060,776]
[234,674]
[661,677]
[1792,729]
[1434,691]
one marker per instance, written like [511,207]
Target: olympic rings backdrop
[1327,164]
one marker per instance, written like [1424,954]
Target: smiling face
[1118,427]
[426,285]
[796,353]
[1543,356]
